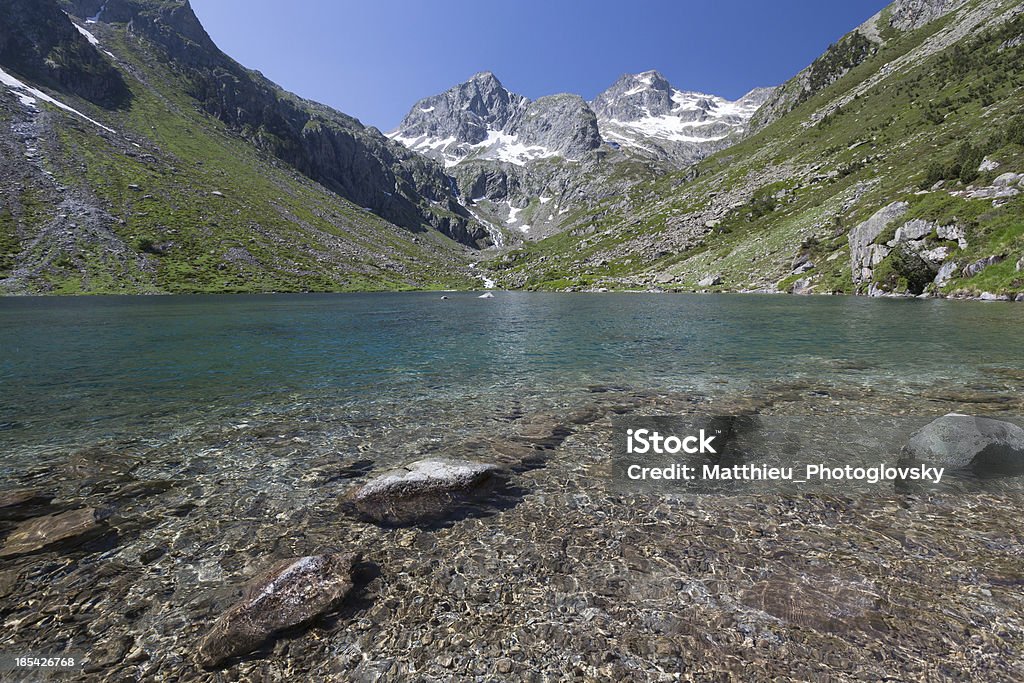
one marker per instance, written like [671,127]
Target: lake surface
[74,370]
[218,435]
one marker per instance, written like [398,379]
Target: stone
[945,273]
[486,295]
[664,278]
[1007,179]
[422,491]
[22,503]
[65,528]
[989,296]
[802,286]
[936,255]
[1020,265]
[961,442]
[863,236]
[908,15]
[973,269]
[289,594]
[987,165]
[710,281]
[804,267]
[953,233]
[913,230]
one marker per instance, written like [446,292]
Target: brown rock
[290,593]
[37,534]
[22,503]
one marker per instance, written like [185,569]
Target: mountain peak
[645,112]
[485,76]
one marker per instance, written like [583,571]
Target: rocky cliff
[336,150]
[140,158]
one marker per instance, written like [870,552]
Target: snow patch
[504,147]
[25,92]
[513,214]
[88,36]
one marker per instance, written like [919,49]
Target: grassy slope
[157,176]
[797,189]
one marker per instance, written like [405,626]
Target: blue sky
[374,59]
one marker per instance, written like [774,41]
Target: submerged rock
[962,442]
[66,528]
[22,503]
[486,295]
[289,594]
[421,491]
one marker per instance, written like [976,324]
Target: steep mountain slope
[198,175]
[887,167]
[525,165]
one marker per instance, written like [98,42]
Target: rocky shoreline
[550,576]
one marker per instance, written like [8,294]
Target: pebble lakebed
[564,579]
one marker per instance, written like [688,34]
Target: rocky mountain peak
[464,114]
[480,119]
[634,96]
[644,112]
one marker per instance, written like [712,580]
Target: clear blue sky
[374,59]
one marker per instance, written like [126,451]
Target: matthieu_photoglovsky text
[644,441]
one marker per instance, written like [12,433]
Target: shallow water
[220,433]
[77,369]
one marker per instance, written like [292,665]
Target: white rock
[1007,179]
[426,475]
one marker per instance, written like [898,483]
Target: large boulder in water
[423,491]
[982,445]
[290,593]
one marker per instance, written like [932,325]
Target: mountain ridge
[902,141]
[202,175]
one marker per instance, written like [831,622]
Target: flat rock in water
[289,594]
[66,528]
[961,442]
[22,503]
[421,491]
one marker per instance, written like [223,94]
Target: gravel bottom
[563,579]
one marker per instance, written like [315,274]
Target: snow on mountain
[644,112]
[481,120]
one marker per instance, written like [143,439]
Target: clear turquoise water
[77,370]
[221,434]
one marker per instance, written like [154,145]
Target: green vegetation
[9,242]
[201,209]
[796,188]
